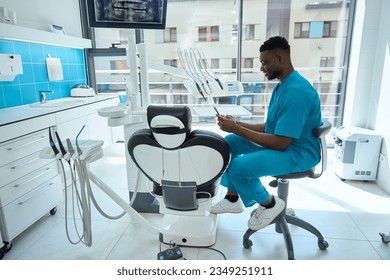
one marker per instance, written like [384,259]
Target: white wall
[368,90]
[39,14]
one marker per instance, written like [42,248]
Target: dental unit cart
[357,153]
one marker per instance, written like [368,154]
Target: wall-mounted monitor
[135,14]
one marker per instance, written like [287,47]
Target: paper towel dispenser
[54,69]
[10,66]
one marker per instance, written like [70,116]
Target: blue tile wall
[26,87]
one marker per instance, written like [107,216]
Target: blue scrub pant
[250,162]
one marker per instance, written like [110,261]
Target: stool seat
[288,217]
[297,175]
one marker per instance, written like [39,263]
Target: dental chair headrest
[170,125]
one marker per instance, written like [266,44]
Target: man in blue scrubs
[283,144]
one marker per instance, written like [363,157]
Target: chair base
[281,224]
[196,231]
[385,238]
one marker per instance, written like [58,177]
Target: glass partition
[319,34]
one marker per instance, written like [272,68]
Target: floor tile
[349,214]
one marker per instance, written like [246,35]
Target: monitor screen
[135,14]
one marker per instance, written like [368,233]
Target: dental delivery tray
[89,150]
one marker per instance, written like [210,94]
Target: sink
[62,102]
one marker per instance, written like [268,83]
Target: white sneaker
[225,206]
[263,216]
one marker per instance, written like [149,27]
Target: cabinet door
[99,130]
[96,127]
[71,128]
[24,211]
[23,146]
[19,168]
[23,185]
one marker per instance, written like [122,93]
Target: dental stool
[185,168]
[288,215]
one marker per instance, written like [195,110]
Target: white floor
[349,214]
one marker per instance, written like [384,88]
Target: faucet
[43,94]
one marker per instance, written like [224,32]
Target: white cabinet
[70,122]
[30,187]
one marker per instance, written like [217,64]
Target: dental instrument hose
[82,195]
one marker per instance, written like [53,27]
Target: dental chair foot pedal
[170,254]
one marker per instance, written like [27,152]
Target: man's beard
[274,75]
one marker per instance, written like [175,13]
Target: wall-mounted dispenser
[54,69]
[10,66]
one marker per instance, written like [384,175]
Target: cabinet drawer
[27,183]
[23,146]
[23,212]
[17,169]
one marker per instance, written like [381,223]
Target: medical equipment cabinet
[356,153]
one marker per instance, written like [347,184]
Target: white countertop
[19,113]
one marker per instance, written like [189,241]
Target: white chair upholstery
[185,167]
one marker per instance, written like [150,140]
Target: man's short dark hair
[274,43]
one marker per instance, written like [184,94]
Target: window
[235,32]
[327,61]
[170,35]
[330,28]
[318,37]
[208,33]
[247,62]
[316,29]
[170,62]
[249,32]
[214,33]
[302,30]
[214,63]
[234,63]
[202,34]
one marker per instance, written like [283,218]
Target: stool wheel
[247,244]
[323,245]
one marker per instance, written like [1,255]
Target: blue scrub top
[294,110]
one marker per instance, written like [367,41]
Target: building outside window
[247,62]
[316,29]
[319,36]
[214,63]
[202,34]
[327,61]
[171,62]
[330,28]
[208,33]
[249,32]
[170,35]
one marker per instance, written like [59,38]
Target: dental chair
[185,168]
[288,215]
